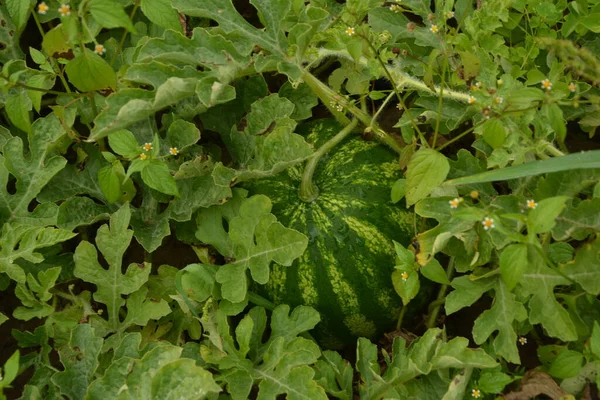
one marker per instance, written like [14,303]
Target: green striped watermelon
[346,270]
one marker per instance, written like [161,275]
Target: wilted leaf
[535,383]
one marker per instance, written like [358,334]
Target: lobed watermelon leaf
[254,239]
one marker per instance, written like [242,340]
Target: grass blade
[584,160]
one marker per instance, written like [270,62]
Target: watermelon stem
[308,191]
[260,301]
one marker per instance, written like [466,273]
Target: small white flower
[434,29]
[339,107]
[476,393]
[350,31]
[499,100]
[523,341]
[488,223]
[143,157]
[455,202]
[471,100]
[64,10]
[43,8]
[147,146]
[395,8]
[174,151]
[450,14]
[404,276]
[572,87]
[531,204]
[99,49]
[546,84]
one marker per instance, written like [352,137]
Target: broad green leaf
[542,218]
[56,41]
[584,269]
[398,190]
[80,359]
[80,211]
[157,176]
[22,241]
[505,310]
[406,283]
[111,283]
[366,360]
[128,106]
[334,374]
[88,71]
[18,108]
[110,182]
[561,252]
[12,49]
[124,143]
[35,294]
[566,365]
[161,13]
[183,379]
[19,11]
[32,173]
[141,309]
[588,159]
[197,192]
[493,382]
[513,264]
[149,226]
[578,221]
[457,354]
[434,271]
[182,134]
[405,257]
[110,14]
[426,170]
[554,114]
[254,240]
[466,292]
[10,370]
[72,181]
[494,133]
[539,281]
[302,97]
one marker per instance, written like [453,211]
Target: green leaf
[110,181]
[88,71]
[149,226]
[18,108]
[111,283]
[56,41]
[542,218]
[513,264]
[539,281]
[435,272]
[398,190]
[406,283]
[157,176]
[35,295]
[588,159]
[80,359]
[466,292]
[19,12]
[162,14]
[303,98]
[493,382]
[21,241]
[494,133]
[80,211]
[32,173]
[566,365]
[405,257]
[10,370]
[182,134]
[505,310]
[183,379]
[578,220]
[584,269]
[334,374]
[254,240]
[124,143]
[110,14]
[426,170]
[554,114]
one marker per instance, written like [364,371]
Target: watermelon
[345,273]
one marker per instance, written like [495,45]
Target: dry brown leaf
[535,383]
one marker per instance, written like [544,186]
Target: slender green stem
[308,190]
[27,87]
[122,42]
[431,322]
[440,103]
[327,95]
[382,107]
[401,317]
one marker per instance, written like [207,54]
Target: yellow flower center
[404,276]
[65,9]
